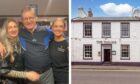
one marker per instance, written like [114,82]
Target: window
[125,52]
[87,30]
[106,30]
[125,30]
[87,51]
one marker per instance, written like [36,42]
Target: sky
[105,7]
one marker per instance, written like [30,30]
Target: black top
[18,55]
[59,56]
[35,47]
[6,65]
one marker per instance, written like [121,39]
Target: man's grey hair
[27,8]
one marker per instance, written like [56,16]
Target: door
[107,55]
[106,52]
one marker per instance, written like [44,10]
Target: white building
[114,40]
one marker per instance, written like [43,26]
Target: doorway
[107,55]
[106,52]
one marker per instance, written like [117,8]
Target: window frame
[84,51]
[128,51]
[85,35]
[103,30]
[124,30]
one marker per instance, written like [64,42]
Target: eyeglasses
[28,18]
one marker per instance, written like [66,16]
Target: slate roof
[106,19]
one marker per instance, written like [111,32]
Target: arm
[8,71]
[16,74]
[51,35]
[31,75]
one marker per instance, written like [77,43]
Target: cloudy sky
[106,7]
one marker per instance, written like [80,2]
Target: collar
[36,28]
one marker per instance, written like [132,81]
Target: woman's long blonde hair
[4,38]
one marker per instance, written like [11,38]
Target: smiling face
[12,30]
[58,28]
[29,20]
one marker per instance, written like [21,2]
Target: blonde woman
[11,65]
[58,50]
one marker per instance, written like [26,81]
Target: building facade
[113,40]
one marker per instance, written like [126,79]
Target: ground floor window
[87,49]
[125,52]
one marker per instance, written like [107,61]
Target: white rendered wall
[78,41]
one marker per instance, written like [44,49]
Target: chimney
[90,14]
[81,12]
[136,12]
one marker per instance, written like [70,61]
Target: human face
[58,28]
[29,20]
[12,30]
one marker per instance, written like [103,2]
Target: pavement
[105,67]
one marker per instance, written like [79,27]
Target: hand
[32,76]
[2,50]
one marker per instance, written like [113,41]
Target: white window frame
[106,30]
[87,30]
[87,52]
[125,51]
[125,31]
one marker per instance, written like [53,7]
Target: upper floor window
[87,32]
[106,30]
[125,30]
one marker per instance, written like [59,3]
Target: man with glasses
[35,41]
